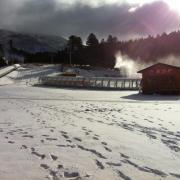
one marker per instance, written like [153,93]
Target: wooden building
[160,78]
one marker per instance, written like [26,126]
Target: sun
[174,5]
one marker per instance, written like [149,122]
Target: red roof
[166,65]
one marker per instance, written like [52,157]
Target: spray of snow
[171,60]
[129,67]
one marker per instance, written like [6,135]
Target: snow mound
[9,79]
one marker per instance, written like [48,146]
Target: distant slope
[32,43]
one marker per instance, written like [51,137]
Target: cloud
[156,18]
[60,17]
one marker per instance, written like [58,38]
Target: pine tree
[92,40]
[75,43]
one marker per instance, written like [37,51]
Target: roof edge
[156,65]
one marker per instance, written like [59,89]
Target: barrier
[92,82]
[7,70]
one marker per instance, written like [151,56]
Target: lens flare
[174,5]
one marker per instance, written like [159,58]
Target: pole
[70,57]
[70,53]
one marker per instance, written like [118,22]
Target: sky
[123,18]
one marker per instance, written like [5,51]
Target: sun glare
[174,4]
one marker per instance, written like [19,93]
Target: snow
[98,72]
[8,79]
[52,133]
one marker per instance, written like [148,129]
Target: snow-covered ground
[98,72]
[52,133]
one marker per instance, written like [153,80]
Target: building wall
[161,79]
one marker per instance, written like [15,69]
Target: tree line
[2,62]
[103,53]
[94,53]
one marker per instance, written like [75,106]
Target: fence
[92,82]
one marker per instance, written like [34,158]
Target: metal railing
[92,82]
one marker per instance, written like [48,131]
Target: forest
[2,63]
[102,53]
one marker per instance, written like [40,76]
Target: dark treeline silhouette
[94,53]
[153,48]
[1,51]
[2,62]
[103,53]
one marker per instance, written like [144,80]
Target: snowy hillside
[32,43]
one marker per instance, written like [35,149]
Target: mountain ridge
[31,43]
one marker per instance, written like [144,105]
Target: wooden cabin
[160,78]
